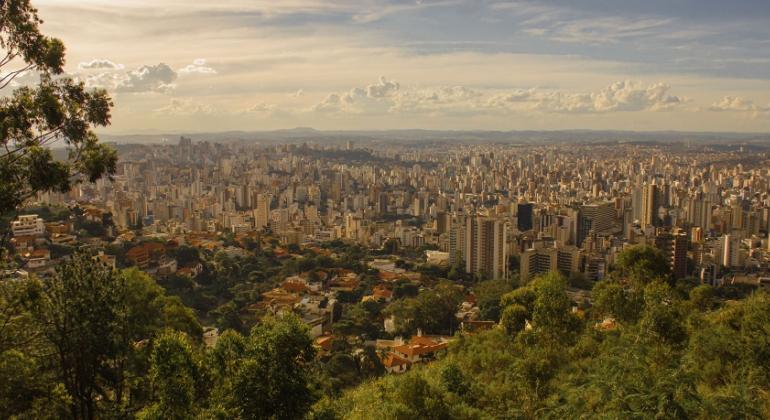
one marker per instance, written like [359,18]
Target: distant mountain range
[307,134]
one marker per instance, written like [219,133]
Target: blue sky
[599,64]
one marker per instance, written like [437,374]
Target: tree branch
[8,78]
[8,58]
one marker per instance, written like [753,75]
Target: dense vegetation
[673,351]
[92,342]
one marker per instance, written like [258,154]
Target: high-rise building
[650,205]
[729,248]
[524,216]
[538,261]
[262,212]
[674,246]
[481,243]
[595,218]
[488,256]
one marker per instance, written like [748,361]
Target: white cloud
[619,96]
[99,63]
[184,107]
[152,78]
[388,96]
[383,89]
[447,98]
[24,78]
[262,108]
[375,98]
[198,66]
[738,104]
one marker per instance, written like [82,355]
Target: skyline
[459,65]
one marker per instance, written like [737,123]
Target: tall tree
[81,312]
[173,374]
[58,109]
[272,378]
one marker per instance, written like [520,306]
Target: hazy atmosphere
[449,64]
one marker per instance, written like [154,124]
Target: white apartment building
[28,225]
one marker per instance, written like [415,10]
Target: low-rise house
[167,265]
[394,363]
[64,239]
[191,271]
[107,260]
[323,344]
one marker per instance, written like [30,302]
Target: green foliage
[81,313]
[703,297]
[641,263]
[81,336]
[359,320]
[173,375]
[613,299]
[514,318]
[33,118]
[271,379]
[432,311]
[488,294]
[669,358]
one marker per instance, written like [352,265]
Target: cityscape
[428,251]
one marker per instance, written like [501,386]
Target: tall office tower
[699,212]
[636,204]
[417,207]
[524,216]
[650,205]
[674,246]
[457,243]
[382,203]
[488,253]
[443,222]
[262,212]
[597,217]
[737,219]
[729,251]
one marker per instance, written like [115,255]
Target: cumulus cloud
[383,89]
[99,64]
[373,98]
[452,98]
[262,108]
[156,78]
[619,96]
[389,96]
[198,66]
[184,107]
[738,104]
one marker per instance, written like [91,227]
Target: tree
[272,378]
[422,400]
[34,118]
[703,297]
[432,311]
[642,264]
[611,298]
[81,312]
[514,318]
[552,312]
[662,318]
[173,375]
[488,294]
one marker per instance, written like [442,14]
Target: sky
[194,66]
